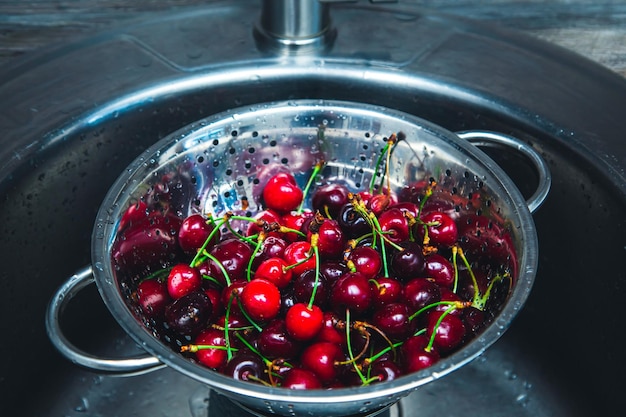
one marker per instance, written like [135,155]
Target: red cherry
[260,298]
[282,193]
[322,359]
[299,256]
[394,224]
[296,221]
[212,357]
[276,271]
[330,332]
[351,291]
[265,216]
[134,213]
[182,280]
[329,198]
[304,322]
[331,241]
[275,341]
[385,290]
[153,297]
[442,229]
[297,378]
[439,269]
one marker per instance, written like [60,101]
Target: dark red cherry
[264,219]
[297,378]
[260,298]
[233,255]
[449,330]
[189,314]
[193,233]
[352,222]
[420,292]
[439,269]
[351,291]
[246,366]
[308,282]
[415,355]
[332,270]
[329,198]
[281,193]
[378,203]
[182,280]
[385,290]
[393,320]
[275,342]
[331,240]
[331,331]
[153,297]
[408,262]
[365,260]
[385,370]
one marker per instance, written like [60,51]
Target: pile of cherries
[325,287]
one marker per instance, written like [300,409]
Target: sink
[72,119]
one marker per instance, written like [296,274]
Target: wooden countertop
[595,29]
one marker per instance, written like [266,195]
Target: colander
[220,163]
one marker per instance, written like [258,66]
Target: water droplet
[83,407]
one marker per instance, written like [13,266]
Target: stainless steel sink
[72,118]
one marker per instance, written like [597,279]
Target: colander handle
[129,366]
[489,138]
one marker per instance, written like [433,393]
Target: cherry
[299,256]
[263,218]
[275,270]
[415,355]
[351,291]
[439,269]
[329,198]
[483,237]
[296,221]
[281,193]
[193,233]
[304,322]
[231,294]
[322,358]
[212,348]
[385,370]
[365,260]
[276,342]
[260,299]
[233,255]
[442,229]
[352,222]
[394,321]
[332,270]
[153,297]
[306,284]
[408,262]
[379,203]
[394,224]
[331,239]
[182,280]
[189,314]
[245,366]
[330,331]
[449,330]
[297,378]
[420,292]
[385,290]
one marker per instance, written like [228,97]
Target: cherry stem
[195,348]
[316,170]
[317,271]
[377,167]
[373,358]
[476,300]
[229,350]
[247,316]
[455,250]
[349,345]
[219,265]
[195,261]
[257,247]
[456,304]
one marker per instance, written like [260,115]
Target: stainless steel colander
[220,164]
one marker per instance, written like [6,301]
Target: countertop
[595,29]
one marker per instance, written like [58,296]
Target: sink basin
[71,119]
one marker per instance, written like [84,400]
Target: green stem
[349,345]
[429,347]
[307,187]
[194,262]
